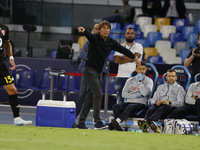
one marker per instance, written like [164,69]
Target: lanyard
[130,46]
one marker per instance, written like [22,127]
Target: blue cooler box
[55,113]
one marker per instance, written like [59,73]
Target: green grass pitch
[50,138]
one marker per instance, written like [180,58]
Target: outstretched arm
[81,29]
[131,60]
[120,60]
[85,32]
[125,59]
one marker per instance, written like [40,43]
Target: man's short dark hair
[143,63]
[171,70]
[104,22]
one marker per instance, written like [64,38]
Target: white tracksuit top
[173,93]
[193,90]
[132,88]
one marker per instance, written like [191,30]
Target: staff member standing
[126,65]
[100,47]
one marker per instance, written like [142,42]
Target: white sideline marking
[1,105]
[34,107]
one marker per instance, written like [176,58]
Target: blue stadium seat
[153,74]
[152,37]
[144,42]
[116,34]
[27,79]
[175,37]
[183,54]
[73,86]
[180,23]
[45,81]
[115,26]
[197,77]
[139,35]
[187,30]
[134,26]
[110,57]
[53,54]
[184,77]
[197,26]
[111,89]
[13,73]
[155,60]
[192,37]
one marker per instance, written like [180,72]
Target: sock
[13,100]
[148,121]
[16,118]
[118,120]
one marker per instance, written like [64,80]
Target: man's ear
[176,77]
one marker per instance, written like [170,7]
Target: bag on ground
[177,126]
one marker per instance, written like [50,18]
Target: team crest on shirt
[133,88]
[197,91]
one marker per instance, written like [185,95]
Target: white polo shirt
[124,70]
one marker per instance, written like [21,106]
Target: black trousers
[123,111]
[158,112]
[183,111]
[93,95]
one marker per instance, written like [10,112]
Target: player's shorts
[5,76]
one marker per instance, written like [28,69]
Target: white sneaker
[20,122]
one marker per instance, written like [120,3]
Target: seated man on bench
[191,107]
[135,92]
[167,98]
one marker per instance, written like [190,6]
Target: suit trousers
[123,111]
[93,95]
[158,112]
